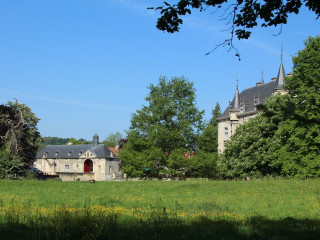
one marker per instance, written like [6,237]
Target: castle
[244,105]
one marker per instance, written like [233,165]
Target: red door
[88,166]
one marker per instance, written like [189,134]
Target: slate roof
[252,96]
[248,96]
[74,151]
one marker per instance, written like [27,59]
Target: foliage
[74,141]
[284,139]
[242,15]
[55,140]
[11,166]
[19,138]
[202,165]
[171,122]
[113,139]
[209,137]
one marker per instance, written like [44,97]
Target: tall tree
[242,15]
[170,122]
[19,137]
[209,137]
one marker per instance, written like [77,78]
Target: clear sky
[83,66]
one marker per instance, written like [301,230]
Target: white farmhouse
[79,162]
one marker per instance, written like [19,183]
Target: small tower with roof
[235,110]
[280,81]
[95,140]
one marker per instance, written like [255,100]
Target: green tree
[19,138]
[80,141]
[112,140]
[301,145]
[242,15]
[209,138]
[170,122]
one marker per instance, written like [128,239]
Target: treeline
[112,140]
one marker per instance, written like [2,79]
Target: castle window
[226,132]
[66,167]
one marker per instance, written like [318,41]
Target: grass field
[192,209]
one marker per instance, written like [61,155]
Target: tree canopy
[241,15]
[162,132]
[113,139]
[208,141]
[19,138]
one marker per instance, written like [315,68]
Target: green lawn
[258,209]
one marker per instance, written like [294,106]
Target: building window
[99,168]
[110,169]
[66,167]
[226,132]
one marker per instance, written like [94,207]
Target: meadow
[192,209]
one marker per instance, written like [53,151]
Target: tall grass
[274,209]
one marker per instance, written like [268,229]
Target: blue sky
[83,66]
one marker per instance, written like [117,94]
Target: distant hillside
[61,141]
[55,141]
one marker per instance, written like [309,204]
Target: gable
[88,154]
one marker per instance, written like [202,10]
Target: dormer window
[69,153]
[111,154]
[242,107]
[45,154]
[256,101]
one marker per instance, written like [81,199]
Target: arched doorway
[88,166]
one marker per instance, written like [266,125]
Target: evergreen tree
[209,137]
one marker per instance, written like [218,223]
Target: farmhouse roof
[74,151]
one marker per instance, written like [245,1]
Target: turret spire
[281,74]
[236,101]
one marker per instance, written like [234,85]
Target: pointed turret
[281,74]
[236,101]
